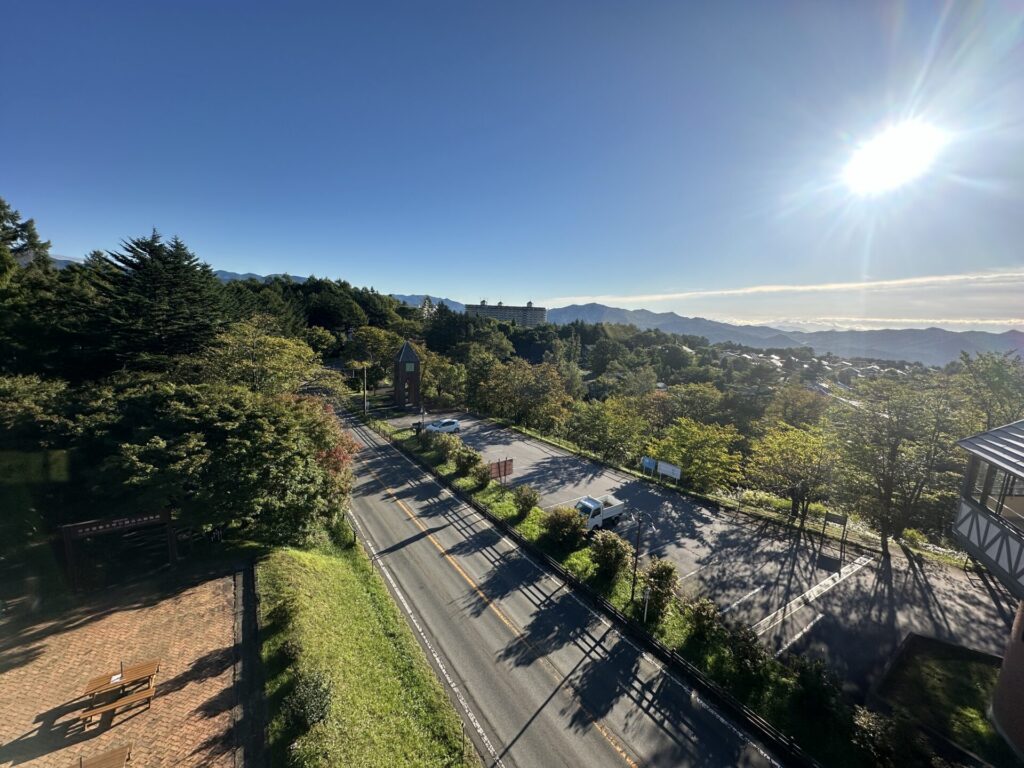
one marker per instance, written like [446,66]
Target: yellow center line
[512,627]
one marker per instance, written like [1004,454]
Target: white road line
[695,570]
[693,695]
[437,659]
[773,620]
[751,593]
[800,634]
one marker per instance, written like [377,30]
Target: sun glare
[896,156]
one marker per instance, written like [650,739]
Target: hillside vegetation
[346,682]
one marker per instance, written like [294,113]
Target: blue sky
[677,156]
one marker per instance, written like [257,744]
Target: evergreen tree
[19,242]
[157,301]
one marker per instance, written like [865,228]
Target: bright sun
[897,155]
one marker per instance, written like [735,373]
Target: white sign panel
[669,470]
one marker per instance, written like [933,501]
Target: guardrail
[783,745]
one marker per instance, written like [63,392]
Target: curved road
[538,678]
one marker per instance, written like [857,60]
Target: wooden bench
[128,676]
[112,758]
[144,694]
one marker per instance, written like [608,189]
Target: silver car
[444,425]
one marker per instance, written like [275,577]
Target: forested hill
[932,346]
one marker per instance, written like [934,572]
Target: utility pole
[364,391]
[636,556]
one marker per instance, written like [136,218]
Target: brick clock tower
[407,377]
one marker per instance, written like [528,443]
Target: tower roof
[407,354]
[1002,446]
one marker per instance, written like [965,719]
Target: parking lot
[800,594]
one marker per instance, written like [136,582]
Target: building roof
[407,354]
[1003,447]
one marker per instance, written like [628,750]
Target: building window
[410,367]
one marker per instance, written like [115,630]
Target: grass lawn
[329,614]
[949,689]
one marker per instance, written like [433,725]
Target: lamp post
[636,557]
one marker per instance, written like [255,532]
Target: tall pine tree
[156,301]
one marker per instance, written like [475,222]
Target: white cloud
[1001,279]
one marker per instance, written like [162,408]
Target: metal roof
[1003,447]
[407,354]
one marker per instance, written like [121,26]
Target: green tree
[377,347]
[995,384]
[796,405]
[603,354]
[612,429]
[321,341]
[19,242]
[660,580]
[335,311]
[563,527]
[899,465]
[156,300]
[526,498]
[442,381]
[610,553]
[703,452]
[697,401]
[249,355]
[531,395]
[792,462]
[276,467]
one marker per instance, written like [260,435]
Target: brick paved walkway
[44,665]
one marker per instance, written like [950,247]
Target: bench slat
[131,698]
[114,758]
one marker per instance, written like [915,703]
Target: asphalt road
[799,593]
[538,678]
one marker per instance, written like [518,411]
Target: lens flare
[896,156]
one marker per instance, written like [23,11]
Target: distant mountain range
[230,277]
[931,346]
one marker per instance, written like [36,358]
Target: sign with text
[647,464]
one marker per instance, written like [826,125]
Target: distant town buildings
[524,316]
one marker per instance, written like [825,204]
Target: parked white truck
[599,512]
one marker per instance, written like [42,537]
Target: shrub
[817,688]
[481,475]
[564,527]
[445,444]
[610,553]
[750,655]
[466,458]
[526,499]
[309,702]
[914,538]
[660,579]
